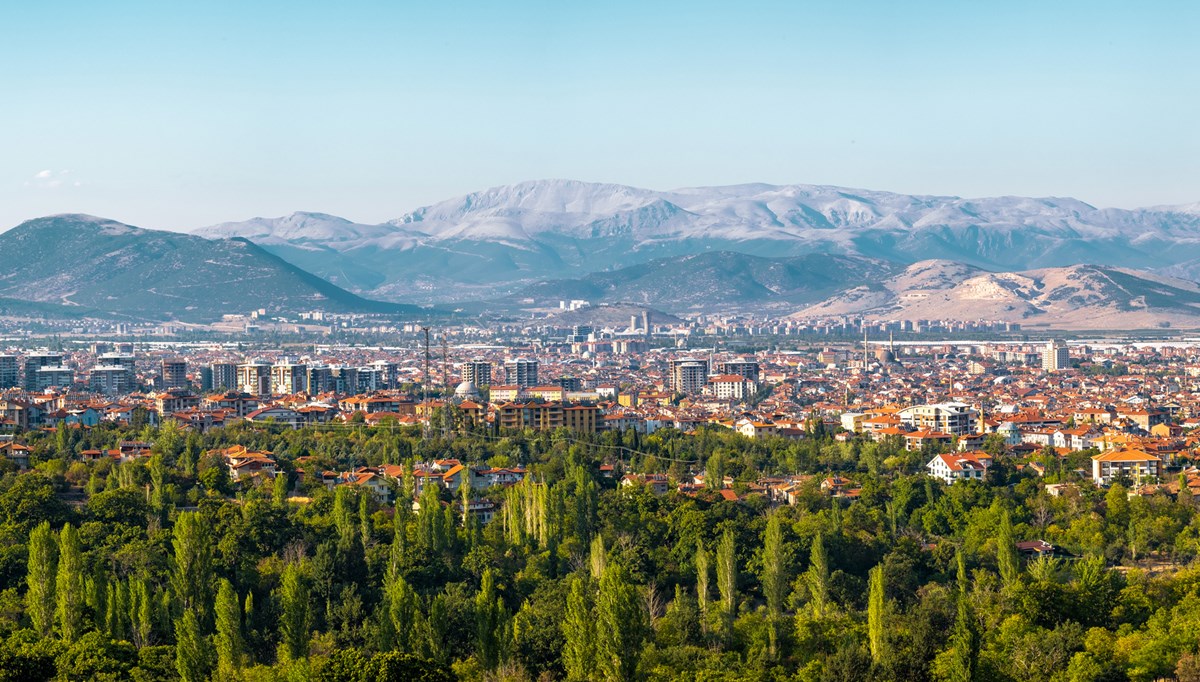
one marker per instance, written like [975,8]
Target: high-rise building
[1056,356]
[320,379]
[50,376]
[344,380]
[254,378]
[288,378]
[224,376]
[521,372]
[36,361]
[570,383]
[478,372]
[744,368]
[10,374]
[110,379]
[581,333]
[173,373]
[125,360]
[388,374]
[689,375]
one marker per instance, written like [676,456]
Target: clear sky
[176,114]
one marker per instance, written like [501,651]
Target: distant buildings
[689,375]
[10,376]
[173,373]
[520,372]
[1056,356]
[254,378]
[954,419]
[478,372]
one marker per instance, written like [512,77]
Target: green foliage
[578,577]
[40,578]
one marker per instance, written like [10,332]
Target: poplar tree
[579,631]
[597,558]
[773,577]
[229,641]
[489,622]
[193,576]
[965,638]
[192,654]
[294,619]
[141,612]
[279,488]
[40,578]
[403,612]
[69,584]
[875,604]
[341,512]
[622,625]
[1006,552]
[727,582]
[702,589]
[817,578]
[364,520]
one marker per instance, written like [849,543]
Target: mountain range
[502,239]
[71,264]
[806,250]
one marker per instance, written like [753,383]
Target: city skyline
[178,117]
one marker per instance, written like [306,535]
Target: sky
[175,115]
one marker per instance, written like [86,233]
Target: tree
[579,630]
[965,638]
[489,622]
[1006,552]
[403,612]
[192,578]
[727,582]
[229,631]
[702,590]
[817,578]
[875,604]
[774,578]
[192,660]
[279,488]
[621,625]
[295,620]
[141,612]
[40,578]
[69,585]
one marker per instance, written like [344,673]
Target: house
[16,453]
[658,483]
[244,463]
[1133,464]
[917,440]
[278,415]
[754,429]
[951,467]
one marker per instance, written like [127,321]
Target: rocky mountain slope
[105,266]
[1073,297]
[516,234]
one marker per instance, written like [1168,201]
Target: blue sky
[179,114]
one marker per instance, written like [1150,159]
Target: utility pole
[445,363]
[425,377]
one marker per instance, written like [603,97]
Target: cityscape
[622,342]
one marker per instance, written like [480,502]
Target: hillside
[495,239]
[1074,297]
[106,266]
[721,280]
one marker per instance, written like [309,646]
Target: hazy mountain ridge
[110,267]
[552,229]
[1076,297]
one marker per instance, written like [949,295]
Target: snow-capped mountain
[532,231]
